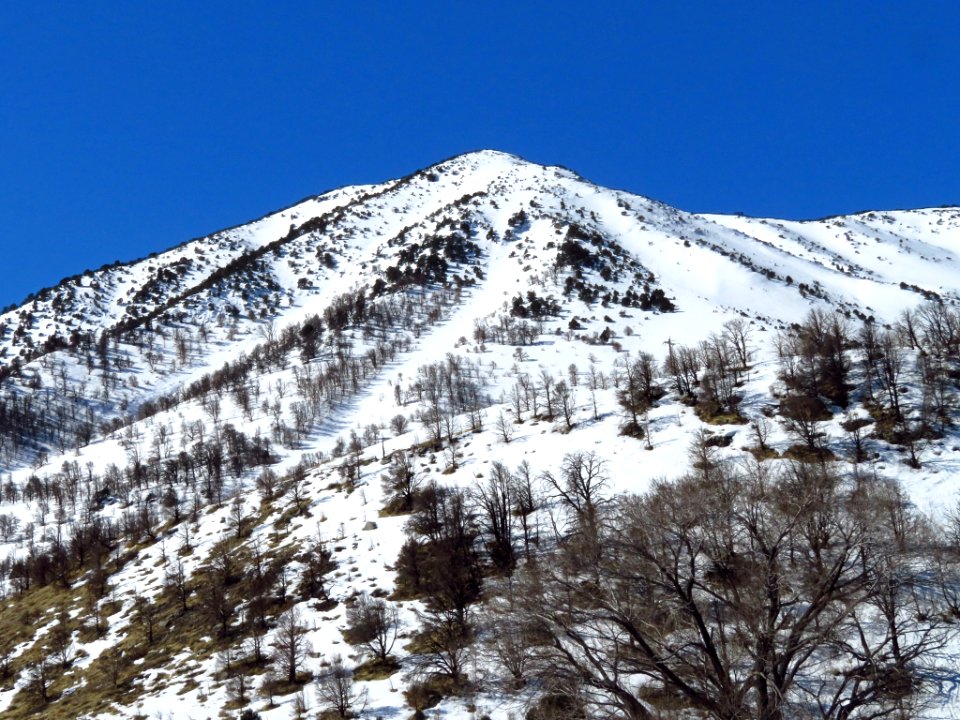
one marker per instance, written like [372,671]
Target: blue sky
[126,128]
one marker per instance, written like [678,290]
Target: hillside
[376,425]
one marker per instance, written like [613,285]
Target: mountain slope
[223,411]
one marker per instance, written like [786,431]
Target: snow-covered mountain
[228,408]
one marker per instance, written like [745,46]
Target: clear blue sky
[129,127]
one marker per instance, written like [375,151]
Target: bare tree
[760,429]
[336,692]
[147,613]
[737,333]
[519,400]
[854,426]
[531,391]
[267,484]
[399,423]
[527,501]
[6,660]
[750,595]
[372,625]
[581,486]
[637,389]
[297,488]
[290,642]
[238,688]
[546,383]
[318,564]
[566,400]
[175,584]
[237,518]
[401,482]
[445,643]
[60,644]
[812,357]
[507,645]
[890,365]
[803,415]
[431,418]
[38,679]
[451,456]
[496,502]
[504,428]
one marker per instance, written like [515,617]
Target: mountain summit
[392,447]
[857,261]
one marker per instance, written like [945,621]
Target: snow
[858,262]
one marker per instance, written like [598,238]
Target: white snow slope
[495,224]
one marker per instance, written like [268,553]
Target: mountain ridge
[358,190]
[262,269]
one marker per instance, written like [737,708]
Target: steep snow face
[511,272]
[875,261]
[868,255]
[486,221]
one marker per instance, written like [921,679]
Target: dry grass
[805,454]
[107,683]
[763,454]
[376,670]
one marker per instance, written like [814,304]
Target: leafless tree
[566,401]
[401,482]
[531,391]
[38,679]
[297,488]
[682,364]
[854,426]
[399,424]
[504,428]
[526,498]
[290,643]
[116,662]
[495,500]
[737,333]
[891,366]
[760,429]
[6,658]
[147,613]
[267,483]
[546,383]
[175,584]
[238,687]
[217,600]
[754,594]
[336,692]
[372,625]
[432,420]
[445,641]
[507,640]
[318,564]
[60,646]
[581,486]
[940,328]
[237,517]
[802,416]
[518,399]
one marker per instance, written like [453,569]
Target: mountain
[223,453]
